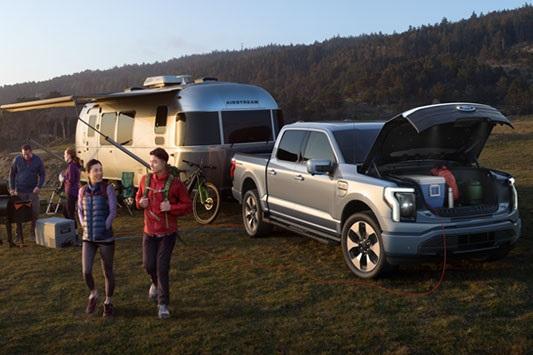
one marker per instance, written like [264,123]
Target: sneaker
[91,305]
[152,293]
[163,311]
[109,311]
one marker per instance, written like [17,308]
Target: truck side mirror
[319,167]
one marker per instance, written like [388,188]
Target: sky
[40,40]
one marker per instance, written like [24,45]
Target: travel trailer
[204,121]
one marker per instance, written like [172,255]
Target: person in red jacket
[163,198]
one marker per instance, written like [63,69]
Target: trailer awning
[64,101]
[73,101]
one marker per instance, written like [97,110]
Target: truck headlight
[515,194]
[402,201]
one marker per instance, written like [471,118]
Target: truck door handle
[299,178]
[272,172]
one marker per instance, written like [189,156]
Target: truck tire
[252,215]
[362,246]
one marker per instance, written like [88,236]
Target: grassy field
[282,294]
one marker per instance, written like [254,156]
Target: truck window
[247,126]
[161,120]
[107,126]
[318,147]
[125,128]
[290,145]
[197,128]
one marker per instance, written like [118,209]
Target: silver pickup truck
[407,188]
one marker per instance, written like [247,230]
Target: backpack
[173,173]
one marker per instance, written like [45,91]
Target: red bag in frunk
[449,178]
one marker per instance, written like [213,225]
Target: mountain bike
[205,195]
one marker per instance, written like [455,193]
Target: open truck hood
[453,131]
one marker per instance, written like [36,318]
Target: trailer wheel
[252,215]
[362,246]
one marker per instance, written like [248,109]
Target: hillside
[486,58]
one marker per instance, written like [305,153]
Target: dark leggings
[107,251]
[69,208]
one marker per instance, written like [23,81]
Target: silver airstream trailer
[203,121]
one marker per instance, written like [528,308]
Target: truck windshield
[355,143]
[247,126]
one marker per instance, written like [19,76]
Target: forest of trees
[485,58]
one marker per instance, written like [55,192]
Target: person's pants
[36,209]
[107,252]
[156,260]
[69,208]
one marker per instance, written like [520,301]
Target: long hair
[72,152]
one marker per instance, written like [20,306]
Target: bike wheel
[205,208]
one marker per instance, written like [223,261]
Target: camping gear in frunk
[432,187]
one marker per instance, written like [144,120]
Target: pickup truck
[371,187]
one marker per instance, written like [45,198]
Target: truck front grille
[464,242]
[466,211]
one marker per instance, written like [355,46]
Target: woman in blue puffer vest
[97,207]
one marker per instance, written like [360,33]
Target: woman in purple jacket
[71,181]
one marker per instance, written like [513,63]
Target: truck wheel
[362,246]
[252,215]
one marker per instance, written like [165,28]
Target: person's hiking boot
[163,311]
[109,311]
[152,293]
[91,305]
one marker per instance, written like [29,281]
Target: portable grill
[12,208]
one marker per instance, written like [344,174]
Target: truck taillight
[232,168]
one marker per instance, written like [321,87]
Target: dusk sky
[44,39]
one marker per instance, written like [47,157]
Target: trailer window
[246,126]
[290,145]
[161,120]
[197,128]
[278,120]
[92,123]
[125,128]
[107,126]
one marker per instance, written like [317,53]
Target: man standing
[163,197]
[26,178]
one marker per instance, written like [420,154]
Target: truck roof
[339,125]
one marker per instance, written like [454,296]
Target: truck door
[282,175]
[316,193]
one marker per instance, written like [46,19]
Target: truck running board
[306,232]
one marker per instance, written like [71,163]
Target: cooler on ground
[55,232]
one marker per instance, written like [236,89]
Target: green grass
[284,293]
